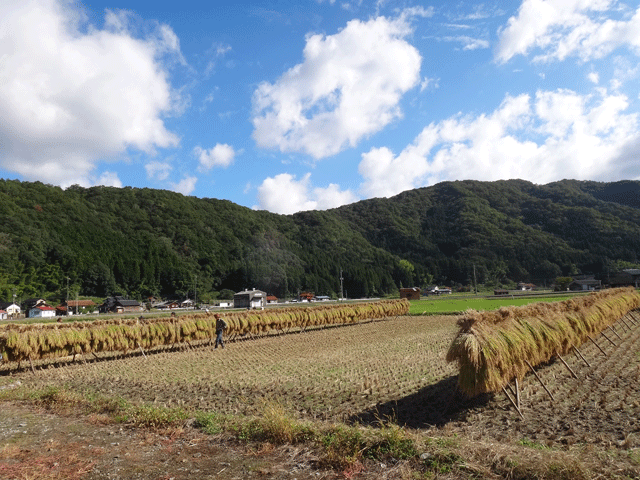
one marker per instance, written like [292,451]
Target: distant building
[585,285]
[250,299]
[435,290]
[306,297]
[412,293]
[3,315]
[12,309]
[272,299]
[500,292]
[119,304]
[42,311]
[626,277]
[71,307]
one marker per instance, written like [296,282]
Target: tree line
[100,241]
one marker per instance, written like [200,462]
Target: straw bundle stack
[493,348]
[39,341]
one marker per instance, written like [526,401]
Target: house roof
[44,308]
[80,303]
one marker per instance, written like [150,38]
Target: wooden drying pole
[540,380]
[612,342]
[575,349]
[614,332]
[512,401]
[596,344]
[566,365]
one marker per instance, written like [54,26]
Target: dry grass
[492,348]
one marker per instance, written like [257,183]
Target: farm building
[12,309]
[3,315]
[627,277]
[590,284]
[435,290]
[412,293]
[71,307]
[250,299]
[272,299]
[120,304]
[500,291]
[306,297]
[42,311]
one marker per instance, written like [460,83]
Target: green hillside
[143,242]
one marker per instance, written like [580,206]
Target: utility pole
[195,291]
[475,283]
[67,294]
[341,280]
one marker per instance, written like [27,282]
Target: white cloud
[185,186]
[221,155]
[562,28]
[158,170]
[109,179]
[286,195]
[72,95]
[593,77]
[559,134]
[468,43]
[348,87]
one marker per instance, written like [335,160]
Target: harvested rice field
[390,371]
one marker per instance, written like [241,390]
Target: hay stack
[492,348]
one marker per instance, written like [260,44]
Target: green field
[454,304]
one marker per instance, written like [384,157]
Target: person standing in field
[221,326]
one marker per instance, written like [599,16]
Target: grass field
[390,373]
[448,304]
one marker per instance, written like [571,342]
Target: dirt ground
[36,444]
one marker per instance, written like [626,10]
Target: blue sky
[298,105]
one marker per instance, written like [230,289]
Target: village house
[250,299]
[43,311]
[272,299]
[3,315]
[412,293]
[119,304]
[72,307]
[12,309]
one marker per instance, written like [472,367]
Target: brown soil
[37,444]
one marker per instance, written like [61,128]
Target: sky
[299,105]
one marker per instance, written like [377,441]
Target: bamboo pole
[578,353]
[566,365]
[517,392]
[594,342]
[612,342]
[540,380]
[625,323]
[614,332]
[512,402]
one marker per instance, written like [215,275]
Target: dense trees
[142,242]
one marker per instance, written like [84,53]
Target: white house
[43,311]
[11,309]
[3,315]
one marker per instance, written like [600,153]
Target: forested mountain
[142,242]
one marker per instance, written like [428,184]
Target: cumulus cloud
[158,170]
[185,186]
[72,94]
[562,28]
[221,155]
[558,134]
[348,87]
[109,179]
[286,195]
